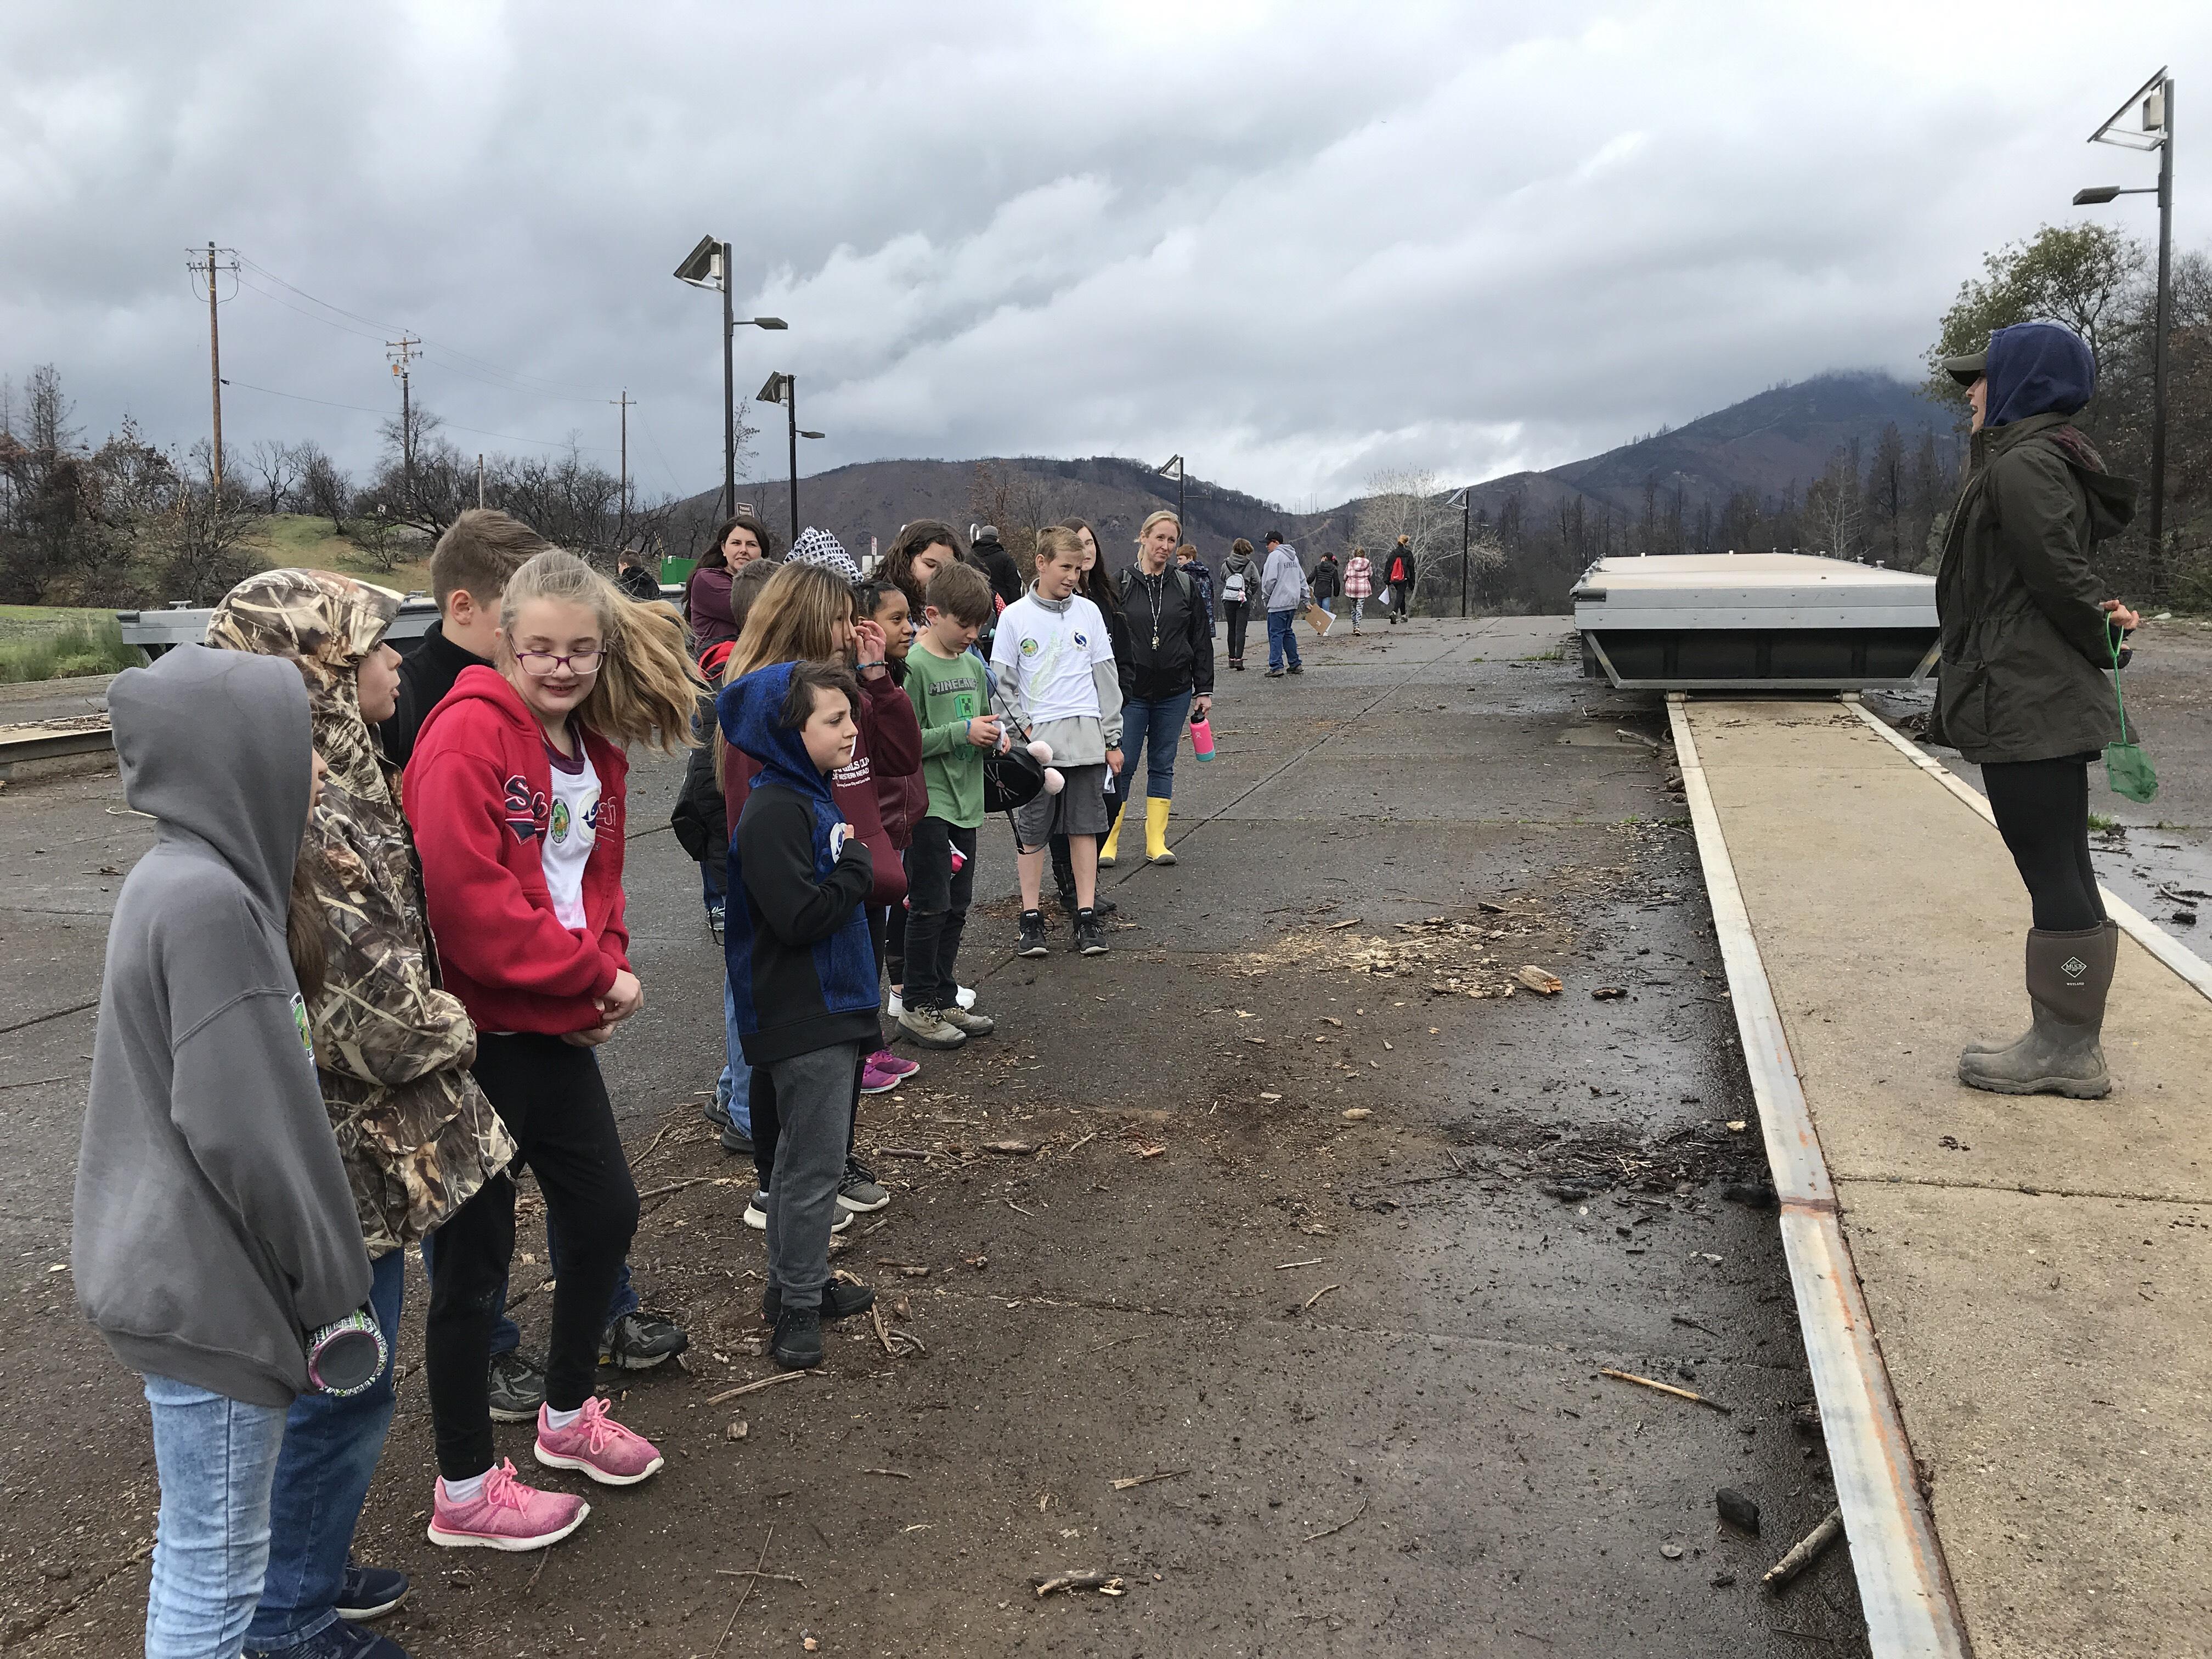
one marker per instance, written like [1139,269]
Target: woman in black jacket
[2026,639]
[1167,676]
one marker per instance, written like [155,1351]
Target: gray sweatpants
[814,1107]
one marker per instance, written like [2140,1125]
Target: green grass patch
[1555,654]
[45,642]
[296,540]
[2103,825]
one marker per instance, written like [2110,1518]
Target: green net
[2127,768]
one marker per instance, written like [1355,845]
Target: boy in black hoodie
[802,977]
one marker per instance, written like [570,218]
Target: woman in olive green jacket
[2028,640]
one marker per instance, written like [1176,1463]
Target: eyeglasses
[538,665]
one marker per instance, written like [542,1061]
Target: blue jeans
[734,1087]
[506,1334]
[217,1458]
[330,1449]
[1158,722]
[1282,637]
[1329,605]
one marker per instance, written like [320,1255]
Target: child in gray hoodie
[214,1229]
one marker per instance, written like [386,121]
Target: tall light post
[708,266]
[2155,99]
[1461,499]
[784,389]
[1172,468]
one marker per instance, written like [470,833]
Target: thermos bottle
[1201,738]
[345,1356]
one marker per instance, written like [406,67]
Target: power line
[444,424]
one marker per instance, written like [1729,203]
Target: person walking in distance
[2028,638]
[391,1055]
[1328,583]
[518,799]
[1240,590]
[1283,589]
[998,565]
[1053,673]
[1358,584]
[1167,675]
[214,1231]
[1398,572]
[635,580]
[1191,565]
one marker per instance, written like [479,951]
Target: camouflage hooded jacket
[417,1135]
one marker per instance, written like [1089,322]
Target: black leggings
[550,1095]
[2042,810]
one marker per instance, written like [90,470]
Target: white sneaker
[965,998]
[893,1007]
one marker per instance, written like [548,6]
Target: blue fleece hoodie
[802,970]
[2038,368]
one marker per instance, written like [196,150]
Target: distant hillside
[1768,444]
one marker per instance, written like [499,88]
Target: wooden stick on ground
[754,1577]
[1666,1388]
[688,1181]
[1317,1296]
[1808,1547]
[755,1386]
[1341,1525]
[1129,1480]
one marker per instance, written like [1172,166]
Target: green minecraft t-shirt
[948,693]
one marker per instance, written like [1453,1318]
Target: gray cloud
[1296,243]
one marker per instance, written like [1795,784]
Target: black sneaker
[336,1640]
[1032,943]
[518,1387]
[369,1593]
[797,1343]
[639,1341]
[1090,935]
[1297,671]
[1104,907]
[840,1300]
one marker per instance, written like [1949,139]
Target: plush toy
[1041,752]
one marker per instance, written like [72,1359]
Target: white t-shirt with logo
[570,831]
[1053,652]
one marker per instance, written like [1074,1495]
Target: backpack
[1232,586]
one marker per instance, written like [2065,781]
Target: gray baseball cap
[1969,369]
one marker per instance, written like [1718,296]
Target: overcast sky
[1298,242]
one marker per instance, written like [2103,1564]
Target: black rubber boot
[2068,975]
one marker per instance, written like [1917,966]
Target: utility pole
[479,477]
[400,352]
[622,522]
[205,265]
[729,390]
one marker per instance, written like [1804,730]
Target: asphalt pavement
[1270,1263]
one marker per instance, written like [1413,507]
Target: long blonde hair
[647,689]
[793,619]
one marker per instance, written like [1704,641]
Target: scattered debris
[1722,1579]
[1807,1548]
[1665,1388]
[1737,1510]
[1129,1480]
[1315,1263]
[902,1152]
[1144,1152]
[1537,979]
[738,1430]
[1358,1114]
[1339,926]
[896,1474]
[1011,1148]
[1317,1296]
[1264,1095]
[1672,1551]
[1104,1584]
[1737,1125]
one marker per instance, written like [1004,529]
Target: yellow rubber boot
[1156,830]
[1106,848]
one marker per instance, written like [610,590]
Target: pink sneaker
[505,1516]
[880,1079]
[599,1446]
[884,1061]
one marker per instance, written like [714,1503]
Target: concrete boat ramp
[2005,1301]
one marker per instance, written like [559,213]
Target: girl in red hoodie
[805,614]
[515,791]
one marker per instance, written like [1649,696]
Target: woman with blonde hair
[805,614]
[517,793]
[1167,676]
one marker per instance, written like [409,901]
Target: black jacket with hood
[1328,578]
[1170,637]
[998,565]
[2026,647]
[214,1226]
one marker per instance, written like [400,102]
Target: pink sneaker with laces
[505,1516]
[598,1445]
[881,1079]
[897,1064]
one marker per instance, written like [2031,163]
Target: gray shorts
[1077,810]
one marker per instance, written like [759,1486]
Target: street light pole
[1465,539]
[729,392]
[2155,98]
[791,408]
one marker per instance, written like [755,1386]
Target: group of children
[365,970]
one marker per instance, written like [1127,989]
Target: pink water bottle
[1201,738]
